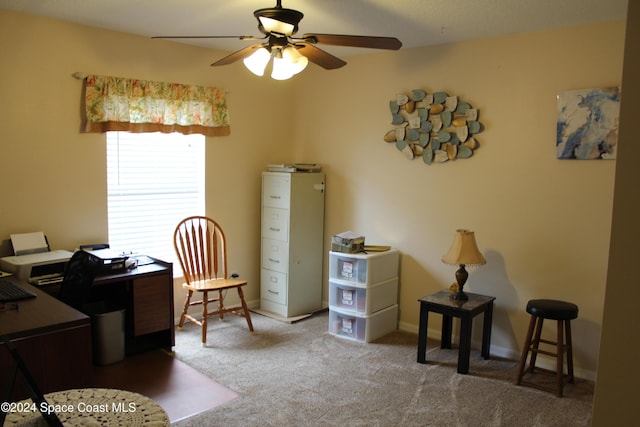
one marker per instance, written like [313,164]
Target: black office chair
[79,273]
[30,384]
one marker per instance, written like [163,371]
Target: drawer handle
[274,260]
[273,292]
[275,197]
[274,229]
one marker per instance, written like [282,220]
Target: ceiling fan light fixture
[271,25]
[297,61]
[287,62]
[257,61]
[283,69]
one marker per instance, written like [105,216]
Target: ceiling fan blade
[372,42]
[237,55]
[320,57]
[210,37]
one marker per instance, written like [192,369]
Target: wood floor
[178,388]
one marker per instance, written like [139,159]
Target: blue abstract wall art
[588,121]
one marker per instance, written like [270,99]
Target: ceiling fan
[291,54]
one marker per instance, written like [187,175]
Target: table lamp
[463,251]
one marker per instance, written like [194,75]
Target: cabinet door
[152,304]
[276,190]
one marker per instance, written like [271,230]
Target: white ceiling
[414,22]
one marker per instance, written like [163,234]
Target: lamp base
[459,296]
[461,278]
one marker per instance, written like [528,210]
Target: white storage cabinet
[363,294]
[292,242]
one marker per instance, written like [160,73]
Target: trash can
[107,332]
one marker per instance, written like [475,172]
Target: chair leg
[560,357]
[187,301]
[205,315]
[536,343]
[525,350]
[569,350]
[221,305]
[245,308]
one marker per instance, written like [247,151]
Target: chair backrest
[200,245]
[79,273]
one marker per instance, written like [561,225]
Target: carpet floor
[300,375]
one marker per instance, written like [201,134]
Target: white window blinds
[154,180]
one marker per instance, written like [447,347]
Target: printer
[38,268]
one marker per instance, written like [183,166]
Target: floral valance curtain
[121,104]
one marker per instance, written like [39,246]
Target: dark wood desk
[146,294]
[466,311]
[53,339]
[148,303]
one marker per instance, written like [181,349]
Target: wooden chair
[201,247]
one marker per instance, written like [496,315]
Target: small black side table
[466,311]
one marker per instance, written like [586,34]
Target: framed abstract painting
[588,121]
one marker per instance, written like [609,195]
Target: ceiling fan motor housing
[288,16]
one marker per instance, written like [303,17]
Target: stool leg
[569,350]
[536,343]
[560,357]
[525,350]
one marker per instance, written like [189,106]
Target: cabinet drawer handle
[274,260]
[274,197]
[273,292]
[274,229]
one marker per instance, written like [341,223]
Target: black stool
[563,312]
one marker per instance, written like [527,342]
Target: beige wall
[543,224]
[54,177]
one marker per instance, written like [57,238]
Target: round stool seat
[552,309]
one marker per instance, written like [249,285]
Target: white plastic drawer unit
[365,328]
[273,286]
[276,191]
[367,269]
[362,299]
[275,255]
[275,224]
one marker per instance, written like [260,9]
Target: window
[153,181]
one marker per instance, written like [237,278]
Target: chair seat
[552,309]
[214,284]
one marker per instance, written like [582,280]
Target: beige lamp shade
[464,250]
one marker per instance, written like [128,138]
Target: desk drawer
[152,304]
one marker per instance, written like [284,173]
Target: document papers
[29,243]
